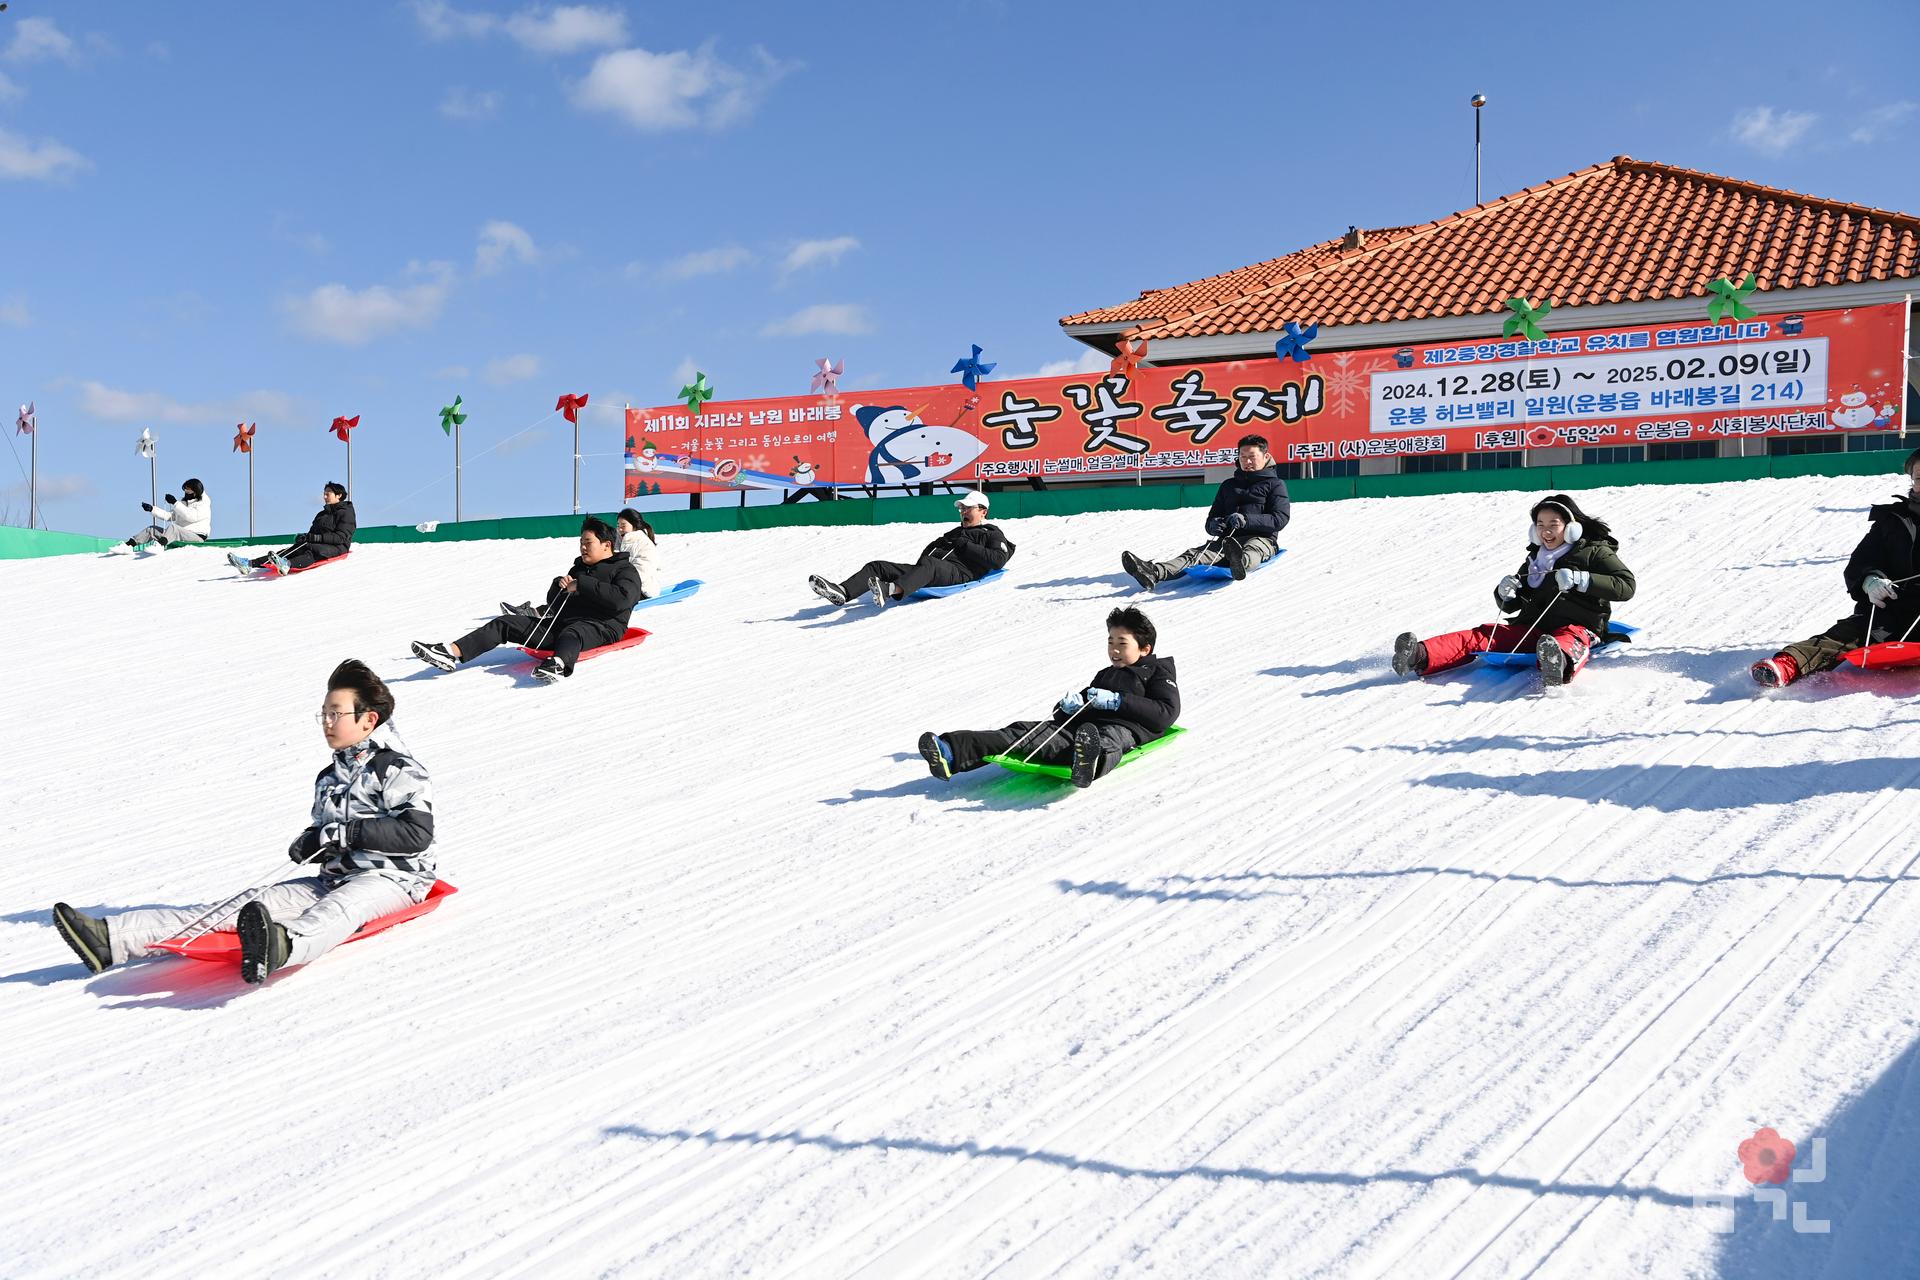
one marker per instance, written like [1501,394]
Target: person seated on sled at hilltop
[966,553]
[1877,576]
[188,518]
[587,606]
[372,826]
[634,539]
[1130,701]
[1243,525]
[1560,601]
[330,535]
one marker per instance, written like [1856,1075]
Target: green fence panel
[30,544]
[1865,463]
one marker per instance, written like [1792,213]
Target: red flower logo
[1542,438]
[1766,1157]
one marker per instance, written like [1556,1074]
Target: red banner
[1821,372]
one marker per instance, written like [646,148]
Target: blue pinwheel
[1294,344]
[971,370]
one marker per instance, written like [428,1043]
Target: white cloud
[508,369]
[814,253]
[826,317]
[705,262]
[285,229]
[9,90]
[13,311]
[38,38]
[677,90]
[441,21]
[50,489]
[470,104]
[685,371]
[1088,361]
[1770,131]
[454,371]
[567,28]
[501,244]
[45,161]
[1881,121]
[353,317]
[108,404]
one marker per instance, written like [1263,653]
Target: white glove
[1879,591]
[1572,579]
[1509,588]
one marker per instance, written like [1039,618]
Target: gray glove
[1509,588]
[1879,591]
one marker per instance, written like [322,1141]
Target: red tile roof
[1624,231]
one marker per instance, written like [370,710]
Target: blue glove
[1236,522]
[1103,699]
[1070,704]
[1572,579]
[1216,526]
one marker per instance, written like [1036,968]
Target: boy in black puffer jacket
[1244,522]
[966,553]
[328,537]
[1131,701]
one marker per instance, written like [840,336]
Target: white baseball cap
[971,498]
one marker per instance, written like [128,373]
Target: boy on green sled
[1129,702]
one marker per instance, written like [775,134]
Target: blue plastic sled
[1221,571]
[958,586]
[1529,657]
[679,591]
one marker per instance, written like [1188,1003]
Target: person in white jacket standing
[187,518]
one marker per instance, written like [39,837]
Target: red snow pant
[1458,647]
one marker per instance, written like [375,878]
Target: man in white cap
[964,554]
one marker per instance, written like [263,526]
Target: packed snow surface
[1362,976]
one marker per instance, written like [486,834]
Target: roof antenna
[1479,101]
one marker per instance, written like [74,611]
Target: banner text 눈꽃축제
[1821,372]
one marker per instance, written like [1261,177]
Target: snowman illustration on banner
[906,450]
[1854,411]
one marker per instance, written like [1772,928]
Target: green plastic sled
[1064,772]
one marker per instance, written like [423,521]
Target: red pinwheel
[243,436]
[1129,357]
[571,407]
[341,426]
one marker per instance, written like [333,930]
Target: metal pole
[456,473]
[1479,101]
[33,474]
[153,480]
[576,464]
[249,489]
[349,465]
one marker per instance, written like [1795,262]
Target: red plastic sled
[633,637]
[272,570]
[224,944]
[1888,653]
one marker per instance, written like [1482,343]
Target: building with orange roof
[1626,242]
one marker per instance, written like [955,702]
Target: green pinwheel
[451,417]
[1729,301]
[697,393]
[1526,319]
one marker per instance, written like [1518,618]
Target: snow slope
[1361,977]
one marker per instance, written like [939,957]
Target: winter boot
[437,655]
[153,546]
[828,591]
[878,589]
[264,945]
[1409,655]
[1775,672]
[1240,560]
[550,670]
[86,935]
[1557,665]
[1144,572]
[280,562]
[525,610]
[937,755]
[240,562]
[1089,751]
[126,548]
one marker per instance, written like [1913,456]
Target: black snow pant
[1822,652]
[567,637]
[299,556]
[971,747]
[933,572]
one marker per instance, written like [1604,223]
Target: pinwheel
[1526,319]
[1730,299]
[243,443]
[451,416]
[826,381]
[1128,357]
[144,447]
[343,428]
[24,424]
[569,407]
[1293,344]
[971,370]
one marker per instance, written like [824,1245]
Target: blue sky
[285,212]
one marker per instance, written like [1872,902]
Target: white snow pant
[165,537]
[318,918]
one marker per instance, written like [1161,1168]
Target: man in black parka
[968,552]
[330,535]
[1130,701]
[1244,522]
[1882,576]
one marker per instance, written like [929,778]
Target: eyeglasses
[328,717]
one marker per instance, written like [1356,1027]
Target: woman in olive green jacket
[1559,602]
